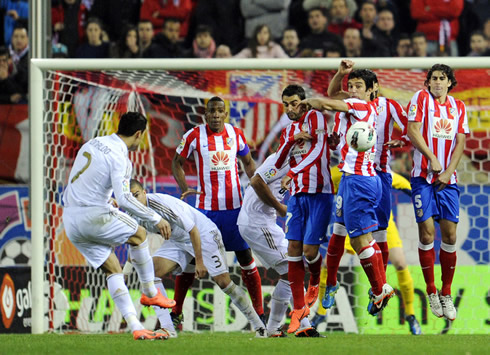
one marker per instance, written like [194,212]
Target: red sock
[251,279]
[385,253]
[448,266]
[296,276]
[379,258]
[315,269]
[427,259]
[182,284]
[334,254]
[370,264]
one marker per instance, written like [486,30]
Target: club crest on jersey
[420,212]
[305,127]
[452,111]
[379,109]
[230,142]
[412,111]
[220,161]
[443,128]
[269,174]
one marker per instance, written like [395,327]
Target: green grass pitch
[244,343]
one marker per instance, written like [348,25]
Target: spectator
[404,46]
[68,18]
[478,44]
[168,39]
[340,18]
[384,33]
[19,52]
[298,18]
[333,51]
[145,36]
[203,45]
[116,15]
[486,29]
[438,20]
[367,14]
[127,45]
[262,46]
[419,45]
[327,4]
[159,11]
[355,46]
[16,13]
[290,42]
[94,47]
[272,12]
[319,37]
[10,91]
[223,51]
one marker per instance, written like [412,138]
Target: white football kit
[257,221]
[92,224]
[182,218]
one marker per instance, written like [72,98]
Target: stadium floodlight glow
[148,74]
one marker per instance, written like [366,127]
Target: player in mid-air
[95,226]
[194,236]
[216,146]
[388,112]
[359,189]
[437,128]
[305,143]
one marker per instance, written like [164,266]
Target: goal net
[80,104]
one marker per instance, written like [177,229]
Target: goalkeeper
[396,255]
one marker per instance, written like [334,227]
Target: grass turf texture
[243,343]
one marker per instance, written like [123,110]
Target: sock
[315,266]
[242,302]
[120,295]
[182,284]
[142,262]
[296,276]
[334,252]
[251,279]
[405,282]
[305,323]
[379,259]
[279,304]
[447,256]
[370,264]
[321,291]
[162,313]
[427,257]
[382,240]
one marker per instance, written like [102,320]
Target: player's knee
[138,238]
[244,257]
[222,280]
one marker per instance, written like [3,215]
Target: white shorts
[213,254]
[94,231]
[269,244]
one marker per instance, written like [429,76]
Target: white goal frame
[36,116]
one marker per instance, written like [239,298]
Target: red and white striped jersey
[216,159]
[388,111]
[309,161]
[440,124]
[352,161]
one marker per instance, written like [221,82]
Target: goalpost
[113,86]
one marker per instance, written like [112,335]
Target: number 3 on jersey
[89,160]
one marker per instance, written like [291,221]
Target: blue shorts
[357,198]
[308,217]
[383,210]
[428,202]
[226,223]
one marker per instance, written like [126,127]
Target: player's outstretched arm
[248,164]
[264,193]
[335,86]
[322,104]
[418,142]
[196,245]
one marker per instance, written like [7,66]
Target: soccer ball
[361,136]
[16,252]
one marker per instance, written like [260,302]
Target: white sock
[120,295]
[141,260]
[279,304]
[163,314]
[242,302]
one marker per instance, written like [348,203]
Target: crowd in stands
[243,29]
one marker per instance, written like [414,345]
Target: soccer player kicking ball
[305,143]
[95,226]
[437,125]
[257,224]
[194,236]
[359,190]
